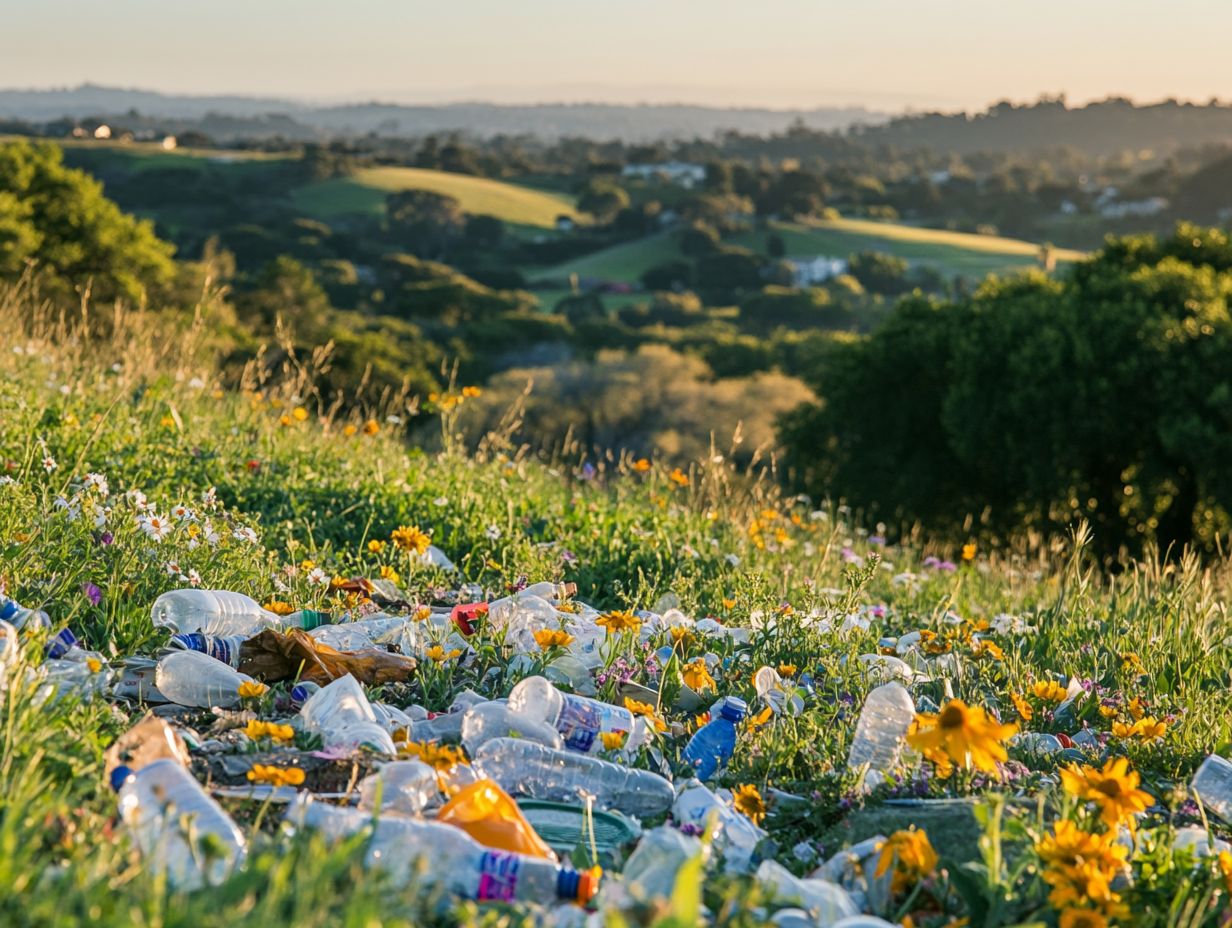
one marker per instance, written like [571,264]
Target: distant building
[682,173]
[818,269]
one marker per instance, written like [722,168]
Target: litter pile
[560,794]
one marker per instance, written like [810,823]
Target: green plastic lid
[563,826]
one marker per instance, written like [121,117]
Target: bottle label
[582,719]
[498,876]
[310,619]
[61,644]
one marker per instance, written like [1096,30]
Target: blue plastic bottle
[711,748]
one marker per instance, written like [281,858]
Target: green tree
[602,199]
[58,219]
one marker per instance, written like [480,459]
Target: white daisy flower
[318,577]
[97,483]
[182,514]
[154,526]
[49,464]
[245,534]
[493,532]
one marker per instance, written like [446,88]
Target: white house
[815,270]
[682,173]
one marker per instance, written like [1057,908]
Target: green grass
[365,192]
[151,414]
[949,252]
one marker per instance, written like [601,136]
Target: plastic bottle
[190,678]
[425,852]
[220,612]
[341,714]
[168,813]
[225,649]
[650,872]
[1213,784]
[826,901]
[19,616]
[406,786]
[488,720]
[578,719]
[696,805]
[362,633]
[712,746]
[887,714]
[524,768]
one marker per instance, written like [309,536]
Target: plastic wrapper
[274,656]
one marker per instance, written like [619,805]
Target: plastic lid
[310,619]
[734,709]
[577,887]
[119,776]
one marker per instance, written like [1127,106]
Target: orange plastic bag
[487,813]
[273,655]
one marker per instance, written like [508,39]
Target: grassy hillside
[1035,634]
[365,192]
[950,252]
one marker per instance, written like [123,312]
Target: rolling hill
[365,192]
[949,252]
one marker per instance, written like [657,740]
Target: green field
[950,252]
[365,192]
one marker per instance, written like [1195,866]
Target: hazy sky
[881,53]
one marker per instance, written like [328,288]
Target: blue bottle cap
[734,709]
[120,776]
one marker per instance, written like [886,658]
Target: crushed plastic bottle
[434,854]
[697,805]
[190,678]
[487,720]
[1213,784]
[223,613]
[406,786]
[651,870]
[365,633]
[880,732]
[169,816]
[579,719]
[712,746]
[524,768]
[341,714]
[827,902]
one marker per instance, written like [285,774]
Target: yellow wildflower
[641,465]
[440,655]
[410,538]
[678,477]
[612,740]
[553,638]
[388,573]
[911,856]
[438,756]
[747,800]
[376,546]
[250,689]
[619,620]
[94,664]
[697,676]
[787,670]
[647,712]
[1114,788]
[278,607]
[1050,691]
[300,414]
[761,718]
[968,552]
[276,776]
[1022,707]
[371,427]
[967,735]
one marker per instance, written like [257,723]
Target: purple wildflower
[106,538]
[93,593]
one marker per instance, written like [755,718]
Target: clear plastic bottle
[650,872]
[712,746]
[341,714]
[406,786]
[221,612]
[225,649]
[696,805]
[827,902]
[190,678]
[19,616]
[880,732]
[489,720]
[362,633]
[1213,784]
[169,815]
[578,719]
[525,768]
[413,850]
